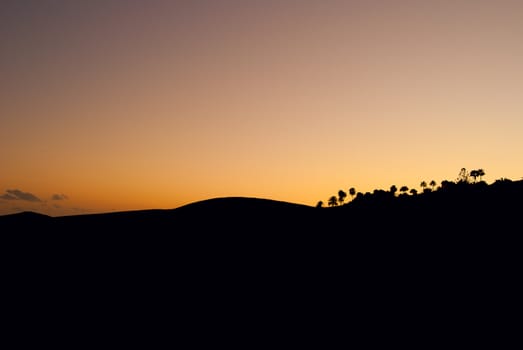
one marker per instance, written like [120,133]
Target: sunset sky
[122,105]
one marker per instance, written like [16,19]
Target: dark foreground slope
[455,209]
[458,217]
[215,226]
[445,258]
[213,216]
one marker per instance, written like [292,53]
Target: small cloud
[59,197]
[19,195]
[8,197]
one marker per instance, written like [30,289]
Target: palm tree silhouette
[333,201]
[433,184]
[481,173]
[352,192]
[341,196]
[474,174]
[393,189]
[423,184]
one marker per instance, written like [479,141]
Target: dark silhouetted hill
[217,215]
[426,257]
[453,209]
[457,216]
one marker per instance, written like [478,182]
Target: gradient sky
[122,105]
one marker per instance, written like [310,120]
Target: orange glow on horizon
[122,106]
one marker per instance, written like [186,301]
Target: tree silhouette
[352,192]
[447,187]
[474,174]
[341,196]
[477,173]
[481,173]
[463,176]
[393,189]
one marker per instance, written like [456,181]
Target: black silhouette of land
[466,206]
[463,227]
[461,206]
[454,248]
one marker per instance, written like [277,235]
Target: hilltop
[380,247]
[229,213]
[453,207]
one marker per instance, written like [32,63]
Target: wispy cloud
[8,197]
[19,195]
[59,197]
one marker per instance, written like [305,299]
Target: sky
[125,105]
